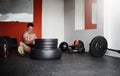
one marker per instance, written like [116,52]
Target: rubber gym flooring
[68,65]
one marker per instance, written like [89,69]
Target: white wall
[112,25]
[53,19]
[57,13]
[85,35]
[79,14]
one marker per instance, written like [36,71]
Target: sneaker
[21,50]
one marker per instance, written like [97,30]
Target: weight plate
[63,46]
[2,42]
[45,54]
[46,43]
[98,46]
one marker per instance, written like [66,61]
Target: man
[28,40]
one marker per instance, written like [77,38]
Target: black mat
[69,65]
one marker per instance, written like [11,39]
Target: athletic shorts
[31,45]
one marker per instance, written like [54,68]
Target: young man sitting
[28,40]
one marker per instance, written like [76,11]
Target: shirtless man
[28,40]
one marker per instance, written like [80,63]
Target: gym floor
[68,65]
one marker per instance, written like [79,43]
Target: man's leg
[26,47]
[23,47]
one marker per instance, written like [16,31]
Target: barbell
[98,47]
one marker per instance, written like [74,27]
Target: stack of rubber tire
[46,49]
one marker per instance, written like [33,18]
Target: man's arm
[35,38]
[24,37]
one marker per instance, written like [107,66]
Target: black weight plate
[8,41]
[42,46]
[14,42]
[81,44]
[45,54]
[63,46]
[46,46]
[2,42]
[42,43]
[98,46]
[46,41]
[0,53]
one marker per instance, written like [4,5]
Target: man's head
[30,27]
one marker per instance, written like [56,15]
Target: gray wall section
[85,35]
[16,6]
[22,6]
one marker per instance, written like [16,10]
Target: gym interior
[95,23]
